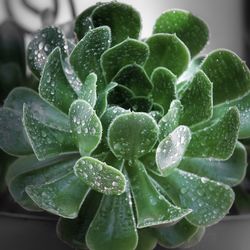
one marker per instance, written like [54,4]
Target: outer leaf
[100,176]
[228,73]
[197,100]
[209,200]
[195,239]
[151,208]
[14,140]
[168,51]
[113,226]
[86,126]
[127,52]
[189,28]
[171,150]
[230,172]
[164,87]
[132,135]
[146,240]
[54,86]
[85,58]
[43,43]
[63,197]
[218,140]
[116,16]
[171,120]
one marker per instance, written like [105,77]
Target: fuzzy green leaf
[197,100]
[210,201]
[100,176]
[230,172]
[113,226]
[43,43]
[164,87]
[171,120]
[85,58]
[130,51]
[116,16]
[171,150]
[132,135]
[120,95]
[54,86]
[63,196]
[151,207]
[218,140]
[140,84]
[85,125]
[228,73]
[189,28]
[168,51]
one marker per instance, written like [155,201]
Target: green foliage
[126,135]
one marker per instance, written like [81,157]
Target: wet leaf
[168,51]
[171,150]
[130,51]
[228,73]
[189,28]
[132,135]
[100,176]
[120,95]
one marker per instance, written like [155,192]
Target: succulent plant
[131,142]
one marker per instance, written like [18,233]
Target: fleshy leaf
[171,120]
[120,95]
[132,135]
[168,51]
[43,43]
[171,150]
[197,100]
[85,125]
[195,239]
[151,207]
[130,51]
[230,172]
[229,75]
[116,15]
[139,104]
[85,58]
[146,240]
[218,140]
[63,196]
[209,200]
[176,235]
[189,28]
[100,176]
[164,87]
[45,139]
[54,86]
[113,226]
[14,140]
[140,84]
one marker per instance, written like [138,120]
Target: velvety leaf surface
[54,86]
[146,241]
[168,51]
[130,51]
[85,125]
[85,58]
[151,207]
[100,176]
[113,226]
[210,201]
[197,100]
[46,140]
[218,140]
[189,28]
[164,87]
[43,43]
[116,16]
[171,120]
[228,73]
[230,172]
[171,150]
[132,135]
[63,196]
